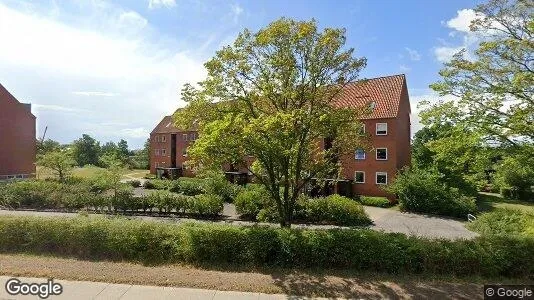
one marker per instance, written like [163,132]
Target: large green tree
[494,85]
[86,151]
[270,95]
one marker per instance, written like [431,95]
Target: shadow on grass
[490,201]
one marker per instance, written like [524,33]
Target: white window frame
[184,136]
[184,152]
[376,154]
[163,138]
[156,152]
[381,173]
[359,182]
[163,152]
[356,154]
[156,138]
[376,131]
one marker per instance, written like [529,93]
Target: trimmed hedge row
[504,221]
[156,242]
[196,186]
[75,196]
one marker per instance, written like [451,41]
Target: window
[184,152]
[381,154]
[184,136]
[163,152]
[362,129]
[381,128]
[156,152]
[381,178]
[163,138]
[156,138]
[359,154]
[192,137]
[359,177]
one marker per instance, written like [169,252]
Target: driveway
[415,224]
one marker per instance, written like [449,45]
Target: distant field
[88,172]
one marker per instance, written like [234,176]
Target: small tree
[110,178]
[60,162]
[271,95]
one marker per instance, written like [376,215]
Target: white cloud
[161,3]
[101,94]
[40,107]
[430,96]
[404,68]
[237,10]
[463,20]
[414,55]
[460,26]
[114,73]
[445,54]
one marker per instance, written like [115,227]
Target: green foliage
[215,183]
[48,145]
[135,183]
[206,205]
[191,186]
[504,221]
[424,191]
[337,210]
[494,83]
[356,250]
[270,95]
[515,177]
[251,201]
[86,151]
[375,201]
[61,162]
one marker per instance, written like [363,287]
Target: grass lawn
[91,171]
[325,283]
[490,201]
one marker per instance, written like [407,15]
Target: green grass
[90,172]
[490,201]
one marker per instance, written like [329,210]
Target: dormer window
[372,105]
[381,128]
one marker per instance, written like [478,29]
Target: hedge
[504,221]
[359,249]
[375,201]
[54,195]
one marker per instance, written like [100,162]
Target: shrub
[216,183]
[356,250]
[504,221]
[149,185]
[206,205]
[135,183]
[375,201]
[250,201]
[337,210]
[423,191]
[515,177]
[191,186]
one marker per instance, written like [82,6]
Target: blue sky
[112,69]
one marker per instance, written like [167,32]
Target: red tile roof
[384,91]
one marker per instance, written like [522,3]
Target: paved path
[81,290]
[384,220]
[416,224]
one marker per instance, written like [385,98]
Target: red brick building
[17,138]
[365,172]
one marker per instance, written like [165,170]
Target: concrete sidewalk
[81,290]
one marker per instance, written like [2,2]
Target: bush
[251,200]
[191,186]
[515,177]
[423,191]
[375,201]
[336,210]
[135,183]
[356,250]
[504,221]
[149,185]
[206,205]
